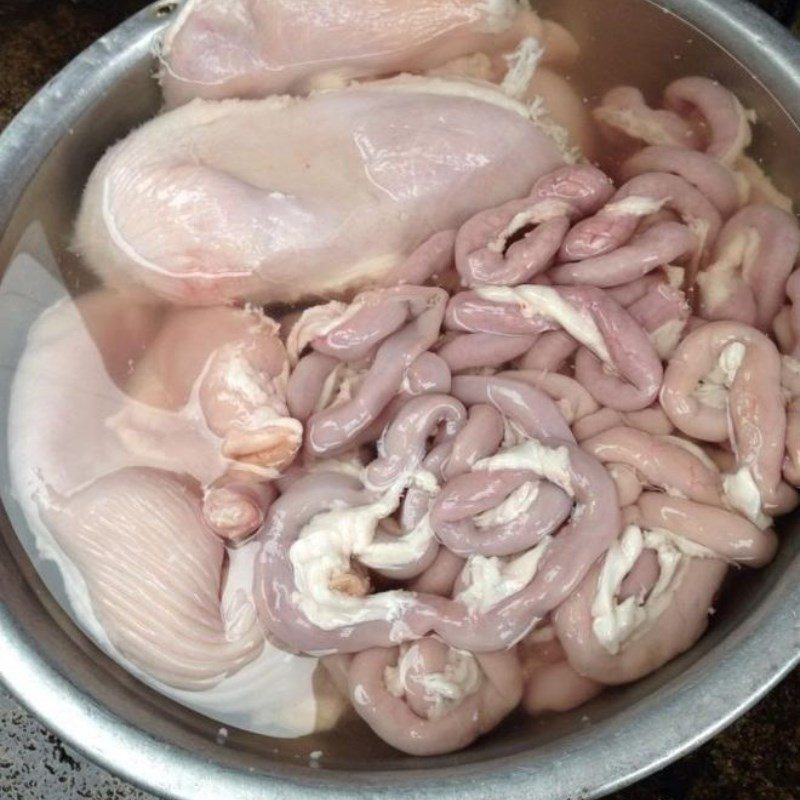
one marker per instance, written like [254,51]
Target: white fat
[424,479]
[499,14]
[242,380]
[489,580]
[551,463]
[720,278]
[341,385]
[536,215]
[675,276]
[316,321]
[442,690]
[477,66]
[518,502]
[712,394]
[327,543]
[790,364]
[634,124]
[666,337]
[539,114]
[460,679]
[635,206]
[293,426]
[742,492]
[394,551]
[614,623]
[701,230]
[332,79]
[692,448]
[713,389]
[545,301]
[753,181]
[730,359]
[324,549]
[449,87]
[522,65]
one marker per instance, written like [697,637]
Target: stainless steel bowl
[46,155]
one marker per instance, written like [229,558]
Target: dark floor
[758,758]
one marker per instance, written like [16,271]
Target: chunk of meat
[277,200]
[253,48]
[234,365]
[198,392]
[154,574]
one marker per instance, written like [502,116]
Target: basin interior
[623,41]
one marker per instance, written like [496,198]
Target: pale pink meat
[154,575]
[219,202]
[726,122]
[480,437]
[234,364]
[399,325]
[629,349]
[565,105]
[551,684]
[658,246]
[466,496]
[253,48]
[574,401]
[728,535]
[464,351]
[660,462]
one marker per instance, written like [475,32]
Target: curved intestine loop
[616,360]
[625,119]
[752,260]
[427,698]
[616,224]
[724,385]
[514,243]
[615,636]
[698,114]
[392,326]
[310,521]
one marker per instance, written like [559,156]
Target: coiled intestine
[529,463]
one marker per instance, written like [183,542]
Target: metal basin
[48,663]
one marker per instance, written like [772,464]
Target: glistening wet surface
[758,757]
